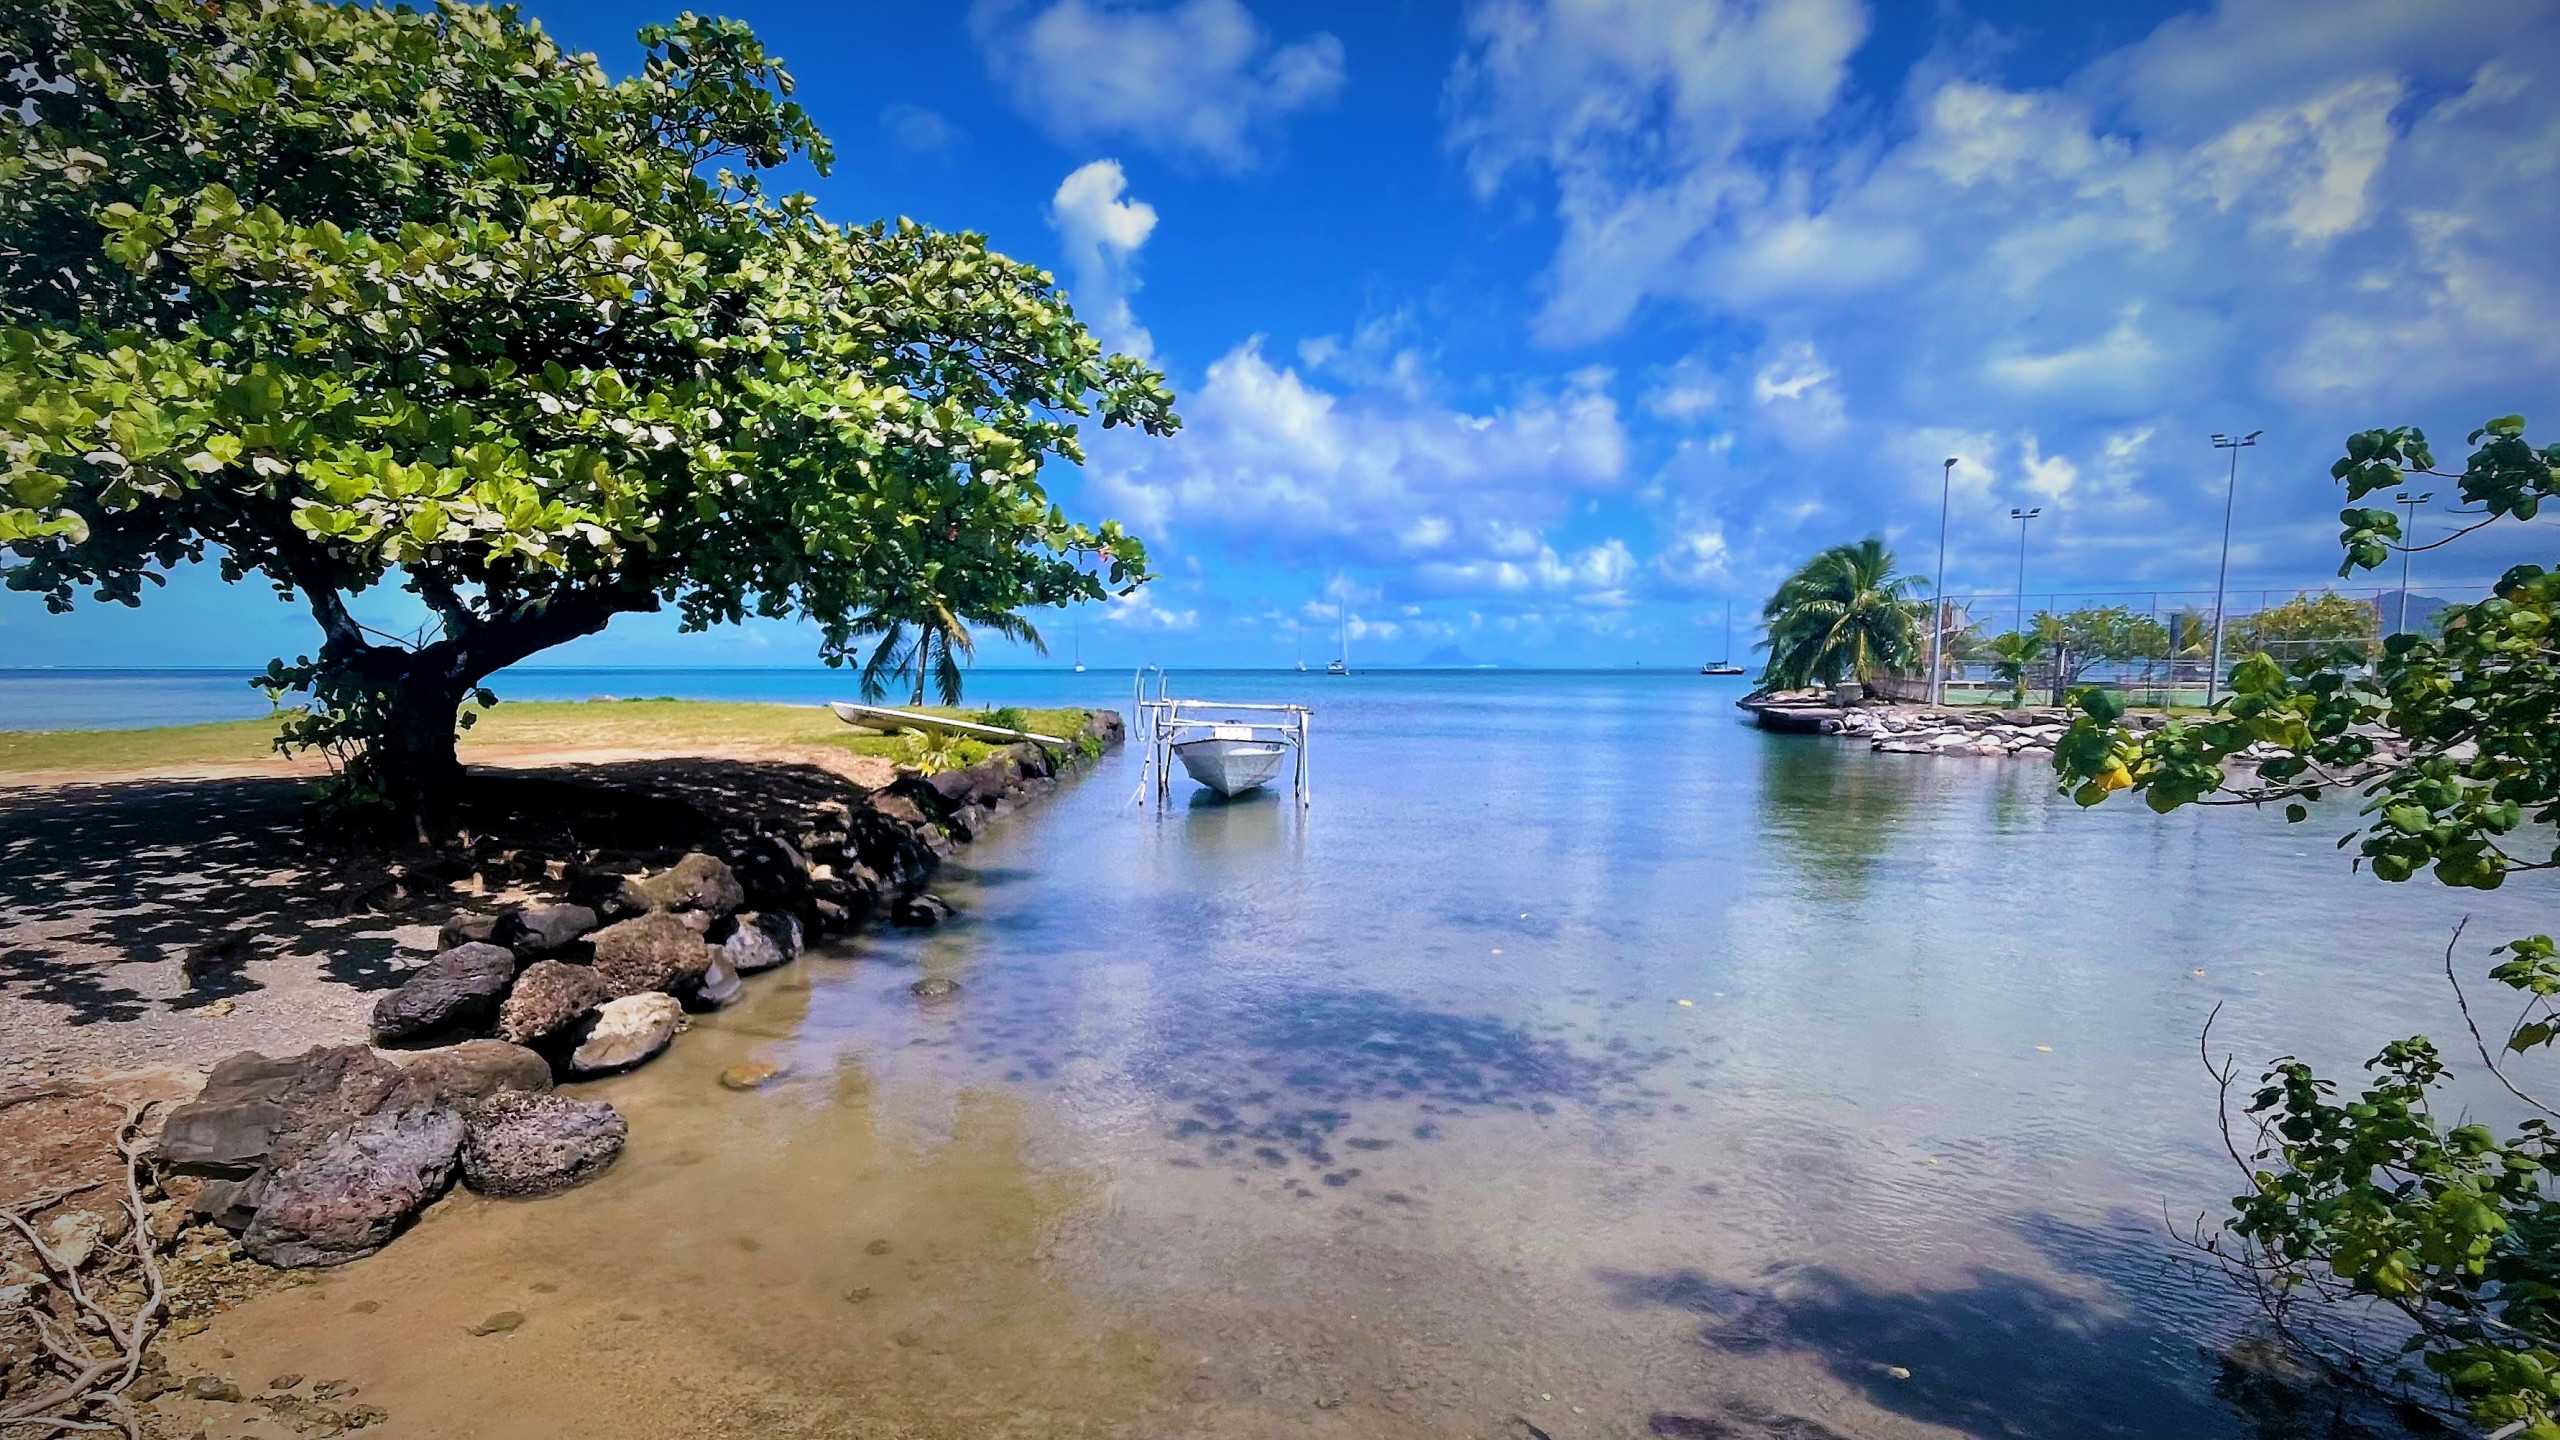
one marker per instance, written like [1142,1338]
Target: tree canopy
[342,297]
[2289,630]
[1845,614]
[2452,743]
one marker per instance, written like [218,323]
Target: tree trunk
[404,704]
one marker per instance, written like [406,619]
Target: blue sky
[1536,328]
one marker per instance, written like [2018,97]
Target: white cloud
[1143,609]
[1102,234]
[2309,218]
[913,127]
[1198,80]
[1265,458]
[1642,111]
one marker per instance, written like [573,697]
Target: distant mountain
[1450,657]
[2421,612]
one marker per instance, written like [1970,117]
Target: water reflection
[1582,1060]
[1834,812]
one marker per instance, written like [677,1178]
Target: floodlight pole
[2230,492]
[2022,517]
[2408,541]
[1937,631]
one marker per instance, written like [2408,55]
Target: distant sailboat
[1725,666]
[1302,647]
[1079,650]
[1341,665]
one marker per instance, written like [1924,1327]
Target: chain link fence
[2157,647]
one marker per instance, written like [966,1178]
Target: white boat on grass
[890,722]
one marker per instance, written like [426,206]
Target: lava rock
[934,987]
[627,1031]
[460,988]
[657,951]
[548,999]
[695,882]
[254,1110]
[546,928]
[918,911]
[525,1143]
[476,1068]
[468,927]
[762,941]
[353,1190]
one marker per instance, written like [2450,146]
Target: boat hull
[1230,767]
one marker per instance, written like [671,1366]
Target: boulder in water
[351,1192]
[762,941]
[627,1031]
[524,1143]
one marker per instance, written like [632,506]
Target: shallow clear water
[1388,1117]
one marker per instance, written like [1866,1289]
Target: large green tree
[1846,614]
[345,297]
[2452,745]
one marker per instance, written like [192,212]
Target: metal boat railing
[1163,721]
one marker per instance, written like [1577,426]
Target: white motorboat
[1229,747]
[1231,759]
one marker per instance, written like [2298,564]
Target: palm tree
[1845,615]
[2012,656]
[923,624]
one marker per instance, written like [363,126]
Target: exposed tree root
[92,1381]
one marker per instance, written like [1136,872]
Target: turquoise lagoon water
[1588,1057]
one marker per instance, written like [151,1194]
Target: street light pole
[1937,631]
[2231,491]
[2408,541]
[2022,517]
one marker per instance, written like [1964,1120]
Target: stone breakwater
[320,1158]
[1927,730]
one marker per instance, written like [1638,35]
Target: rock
[25,1295]
[718,985]
[73,1236]
[528,1143]
[546,928]
[917,911]
[460,988]
[231,1204]
[476,1068]
[628,1031]
[469,927]
[658,951]
[284,1382]
[900,809]
[500,1323]
[762,941]
[753,1075]
[934,987]
[696,882]
[548,999]
[252,1108]
[212,1387]
[350,1193]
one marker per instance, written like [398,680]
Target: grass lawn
[564,725]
